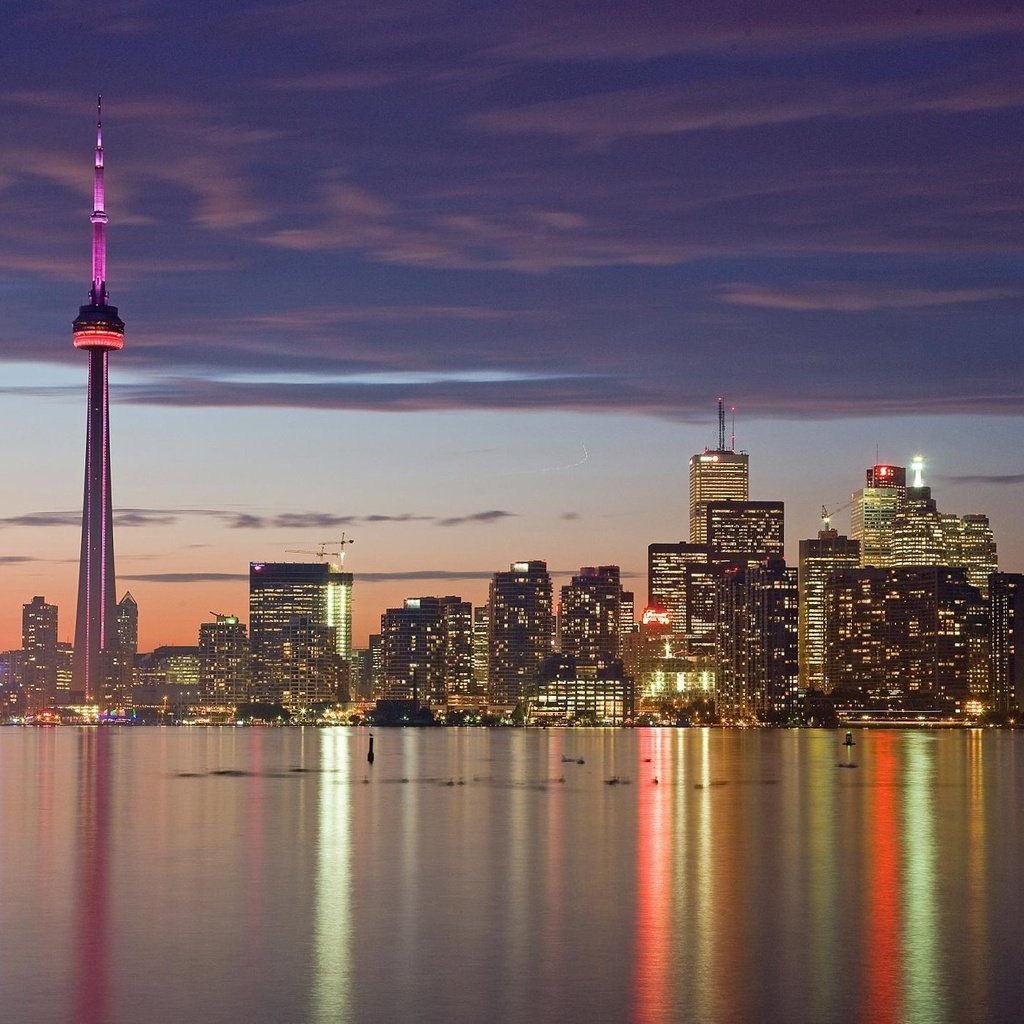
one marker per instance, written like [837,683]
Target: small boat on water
[568,759]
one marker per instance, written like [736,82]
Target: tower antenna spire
[732,438]
[98,293]
[721,423]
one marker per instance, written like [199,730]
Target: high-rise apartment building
[427,648]
[481,619]
[521,633]
[589,624]
[745,531]
[300,631]
[1006,656]
[224,661]
[39,662]
[818,560]
[874,511]
[627,616]
[905,631]
[756,640]
[361,677]
[124,650]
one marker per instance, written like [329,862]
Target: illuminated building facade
[904,632]
[427,649]
[300,625]
[745,531]
[481,618]
[660,666]
[702,608]
[978,554]
[224,661]
[874,511]
[1006,659]
[171,665]
[520,630]
[819,558]
[668,579]
[125,649]
[311,671]
[627,615]
[756,640]
[566,694]
[589,622]
[97,330]
[39,661]
[921,535]
[65,668]
[715,476]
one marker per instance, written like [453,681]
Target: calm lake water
[271,876]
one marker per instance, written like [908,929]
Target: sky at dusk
[464,280]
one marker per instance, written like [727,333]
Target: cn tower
[98,330]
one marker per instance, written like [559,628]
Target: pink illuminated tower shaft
[98,329]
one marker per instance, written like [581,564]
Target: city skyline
[473,302]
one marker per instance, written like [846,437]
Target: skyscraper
[874,512]
[39,644]
[756,640]
[124,649]
[427,650]
[745,531]
[224,661]
[300,630]
[978,550]
[589,623]
[520,630]
[716,474]
[481,620]
[906,631]
[98,330]
[1006,663]
[818,560]
[668,580]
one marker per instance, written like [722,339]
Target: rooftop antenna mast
[732,440]
[721,424]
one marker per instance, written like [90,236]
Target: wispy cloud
[44,519]
[336,81]
[137,517]
[738,103]
[418,575]
[995,479]
[551,30]
[491,516]
[183,577]
[855,297]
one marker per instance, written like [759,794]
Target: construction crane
[328,549]
[827,516]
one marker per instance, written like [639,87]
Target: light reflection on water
[470,875]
